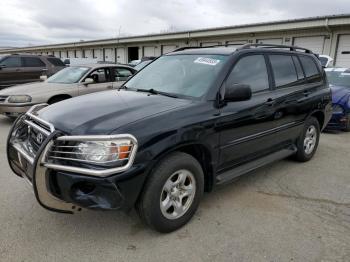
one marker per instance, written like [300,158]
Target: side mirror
[43,78]
[2,66]
[88,81]
[238,92]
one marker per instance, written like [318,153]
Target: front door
[11,71]
[246,127]
[102,81]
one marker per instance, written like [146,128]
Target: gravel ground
[287,211]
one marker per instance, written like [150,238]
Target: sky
[35,22]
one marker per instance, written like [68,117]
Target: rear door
[33,68]
[102,81]
[246,127]
[11,71]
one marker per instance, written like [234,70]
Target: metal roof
[290,24]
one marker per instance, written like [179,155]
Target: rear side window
[283,70]
[298,68]
[55,61]
[310,68]
[12,61]
[250,70]
[32,62]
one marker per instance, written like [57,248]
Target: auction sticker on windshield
[207,61]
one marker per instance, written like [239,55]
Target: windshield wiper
[156,92]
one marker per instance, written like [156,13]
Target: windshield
[68,75]
[339,78]
[142,65]
[186,75]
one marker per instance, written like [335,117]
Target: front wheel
[308,141]
[172,193]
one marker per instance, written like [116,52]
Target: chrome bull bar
[31,167]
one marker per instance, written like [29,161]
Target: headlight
[104,152]
[19,99]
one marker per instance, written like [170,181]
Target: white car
[69,82]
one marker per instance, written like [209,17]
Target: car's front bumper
[14,109]
[68,192]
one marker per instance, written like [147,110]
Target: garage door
[314,43]
[343,52]
[78,54]
[204,44]
[168,48]
[109,54]
[121,55]
[149,51]
[56,53]
[88,53]
[98,54]
[71,54]
[236,43]
[271,41]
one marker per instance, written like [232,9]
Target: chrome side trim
[92,172]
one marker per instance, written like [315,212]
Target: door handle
[270,102]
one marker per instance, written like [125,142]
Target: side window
[56,61]
[311,72]
[250,70]
[12,61]
[32,62]
[298,68]
[122,74]
[283,70]
[101,75]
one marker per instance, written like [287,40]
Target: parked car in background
[19,69]
[339,79]
[134,63]
[142,65]
[326,61]
[69,82]
[191,120]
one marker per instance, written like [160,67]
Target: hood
[30,89]
[103,112]
[340,94]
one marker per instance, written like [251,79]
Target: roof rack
[290,47]
[196,47]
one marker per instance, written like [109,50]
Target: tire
[308,141]
[174,177]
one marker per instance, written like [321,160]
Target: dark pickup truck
[191,120]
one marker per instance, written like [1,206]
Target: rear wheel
[308,141]
[172,193]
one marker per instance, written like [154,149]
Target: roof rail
[210,46]
[290,47]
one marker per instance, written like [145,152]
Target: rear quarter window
[55,61]
[310,68]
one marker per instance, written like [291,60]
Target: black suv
[191,120]
[19,69]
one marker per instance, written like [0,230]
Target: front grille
[3,98]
